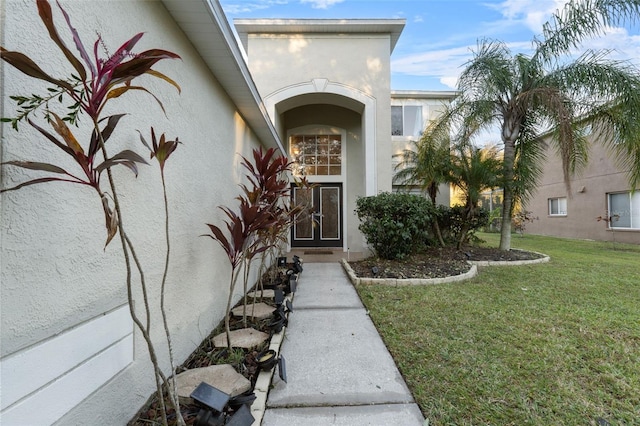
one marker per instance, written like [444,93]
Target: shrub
[453,219]
[395,225]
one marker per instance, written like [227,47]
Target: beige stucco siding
[56,273]
[586,200]
[358,61]
[357,65]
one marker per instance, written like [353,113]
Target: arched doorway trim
[321,85]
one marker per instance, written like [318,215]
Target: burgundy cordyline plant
[95,82]
[263,216]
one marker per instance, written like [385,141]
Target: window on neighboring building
[406,120]
[624,210]
[319,155]
[558,206]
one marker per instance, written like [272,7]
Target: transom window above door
[316,155]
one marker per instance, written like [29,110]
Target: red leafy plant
[262,214]
[88,92]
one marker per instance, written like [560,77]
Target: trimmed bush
[453,223]
[395,225]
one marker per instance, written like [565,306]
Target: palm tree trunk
[507,200]
[433,193]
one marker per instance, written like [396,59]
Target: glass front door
[320,222]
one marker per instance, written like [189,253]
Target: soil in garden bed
[435,262]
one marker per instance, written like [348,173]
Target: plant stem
[235,271]
[174,388]
[125,250]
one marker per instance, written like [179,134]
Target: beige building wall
[586,200]
[70,353]
[431,104]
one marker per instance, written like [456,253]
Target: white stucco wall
[55,272]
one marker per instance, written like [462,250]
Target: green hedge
[395,225]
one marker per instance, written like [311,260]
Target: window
[319,155]
[406,120]
[558,206]
[624,210]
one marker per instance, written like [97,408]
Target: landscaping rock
[258,311]
[265,294]
[244,338]
[223,377]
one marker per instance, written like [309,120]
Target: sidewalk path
[338,369]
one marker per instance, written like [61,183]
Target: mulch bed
[435,262]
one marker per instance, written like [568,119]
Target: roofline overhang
[424,94]
[206,26]
[393,27]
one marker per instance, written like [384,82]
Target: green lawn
[547,344]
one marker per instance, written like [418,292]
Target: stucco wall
[56,272]
[431,109]
[358,61]
[585,202]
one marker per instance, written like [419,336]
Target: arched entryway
[330,139]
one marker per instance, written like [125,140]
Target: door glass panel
[303,227]
[330,209]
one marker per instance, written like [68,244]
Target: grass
[546,344]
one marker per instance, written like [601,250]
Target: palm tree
[425,166]
[473,170]
[550,93]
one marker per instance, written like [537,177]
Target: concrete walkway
[339,372]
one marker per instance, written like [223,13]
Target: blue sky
[439,35]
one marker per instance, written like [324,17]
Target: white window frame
[633,212]
[405,116]
[560,202]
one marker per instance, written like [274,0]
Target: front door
[320,223]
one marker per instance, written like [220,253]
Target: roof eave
[205,25]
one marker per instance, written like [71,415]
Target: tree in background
[528,96]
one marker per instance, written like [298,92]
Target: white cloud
[445,64]
[530,13]
[321,4]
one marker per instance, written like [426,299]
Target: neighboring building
[318,90]
[600,191]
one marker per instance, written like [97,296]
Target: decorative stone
[265,294]
[244,338]
[258,311]
[223,377]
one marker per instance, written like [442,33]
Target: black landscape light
[293,283]
[247,398]
[213,400]
[282,368]
[242,417]
[278,296]
[375,270]
[282,262]
[266,360]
